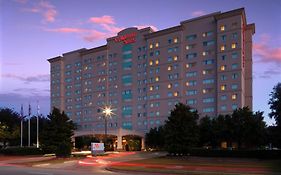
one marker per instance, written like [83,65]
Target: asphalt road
[87,166]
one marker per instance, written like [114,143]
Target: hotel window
[234,66]
[191,92]
[190,46]
[175,58]
[170,94]
[191,37]
[234,86]
[189,65]
[208,62]
[156,62]
[175,40]
[169,68]
[156,44]
[223,97]
[157,52]
[191,55]
[191,101]
[151,88]
[223,87]
[191,83]
[223,107]
[157,79]
[233,45]
[207,71]
[222,28]
[208,81]
[176,94]
[150,46]
[205,53]
[234,55]
[234,35]
[209,109]
[223,37]
[207,90]
[234,76]
[223,77]
[205,34]
[223,57]
[234,96]
[151,63]
[191,74]
[223,48]
[208,43]
[169,41]
[223,68]
[234,106]
[208,100]
[170,86]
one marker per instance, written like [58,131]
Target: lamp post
[107,112]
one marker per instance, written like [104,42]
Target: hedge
[21,151]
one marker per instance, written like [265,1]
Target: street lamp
[107,112]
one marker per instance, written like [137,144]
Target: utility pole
[29,115]
[38,113]
[21,125]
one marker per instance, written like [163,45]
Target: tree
[155,138]
[181,130]
[275,106]
[205,132]
[9,127]
[57,133]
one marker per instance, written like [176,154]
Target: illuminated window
[157,44]
[223,68]
[170,86]
[169,68]
[157,79]
[175,58]
[176,94]
[204,53]
[187,47]
[223,87]
[233,45]
[222,48]
[157,62]
[234,96]
[175,40]
[222,28]
[204,91]
[150,63]
[151,88]
[151,46]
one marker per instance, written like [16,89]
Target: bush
[260,154]
[22,151]
[63,150]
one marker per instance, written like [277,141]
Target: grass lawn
[201,165]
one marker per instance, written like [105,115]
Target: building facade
[205,62]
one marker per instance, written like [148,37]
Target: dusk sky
[31,31]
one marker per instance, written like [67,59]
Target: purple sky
[32,31]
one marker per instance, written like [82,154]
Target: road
[87,166]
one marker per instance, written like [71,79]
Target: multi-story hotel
[205,62]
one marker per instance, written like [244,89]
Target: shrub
[63,150]
[22,151]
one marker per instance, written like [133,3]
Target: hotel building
[205,62]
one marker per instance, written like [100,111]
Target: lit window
[233,45]
[187,47]
[151,46]
[234,96]
[223,68]
[175,40]
[169,68]
[151,88]
[222,48]
[157,62]
[222,28]
[157,79]
[150,63]
[204,91]
[204,53]
[175,58]
[157,44]
[169,86]
[176,94]
[223,87]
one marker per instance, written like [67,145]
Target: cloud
[67,30]
[30,79]
[95,35]
[267,53]
[102,20]
[45,8]
[144,26]
[111,29]
[198,13]
[21,1]
[269,73]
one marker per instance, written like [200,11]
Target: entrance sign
[97,148]
[126,39]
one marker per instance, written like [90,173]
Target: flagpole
[29,113]
[21,125]
[38,111]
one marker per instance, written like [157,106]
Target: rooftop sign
[127,38]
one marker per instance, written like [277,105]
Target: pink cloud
[67,30]
[46,9]
[198,13]
[95,35]
[264,50]
[103,20]
[111,28]
[144,26]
